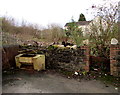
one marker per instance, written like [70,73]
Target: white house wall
[85,29]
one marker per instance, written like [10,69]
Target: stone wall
[8,56]
[56,58]
[67,59]
[114,67]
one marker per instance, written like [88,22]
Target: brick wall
[87,59]
[114,70]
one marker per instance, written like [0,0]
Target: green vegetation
[75,33]
[82,17]
[33,32]
[110,80]
[103,30]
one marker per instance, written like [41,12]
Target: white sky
[44,12]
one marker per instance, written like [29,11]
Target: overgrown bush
[103,29]
[75,33]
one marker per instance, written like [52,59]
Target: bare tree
[103,29]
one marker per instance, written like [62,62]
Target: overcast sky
[44,12]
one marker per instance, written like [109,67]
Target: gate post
[114,70]
[87,59]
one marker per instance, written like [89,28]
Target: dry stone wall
[68,59]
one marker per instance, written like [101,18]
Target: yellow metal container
[38,61]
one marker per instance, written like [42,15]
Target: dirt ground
[22,81]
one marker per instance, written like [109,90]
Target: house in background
[88,27]
[84,25]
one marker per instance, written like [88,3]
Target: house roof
[80,23]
